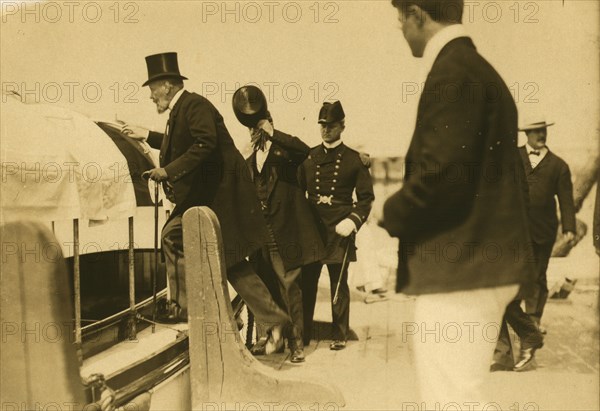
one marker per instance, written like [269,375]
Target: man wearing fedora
[200,166]
[548,178]
[294,240]
[331,175]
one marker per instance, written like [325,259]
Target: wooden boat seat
[222,370]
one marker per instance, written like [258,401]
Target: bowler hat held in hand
[250,106]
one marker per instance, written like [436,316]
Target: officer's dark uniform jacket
[330,176]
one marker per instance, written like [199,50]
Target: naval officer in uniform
[331,174]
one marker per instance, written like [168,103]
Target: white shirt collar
[534,160]
[175,98]
[438,42]
[261,156]
[332,145]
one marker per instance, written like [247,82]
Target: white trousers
[454,335]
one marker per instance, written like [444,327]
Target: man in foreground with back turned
[200,166]
[461,213]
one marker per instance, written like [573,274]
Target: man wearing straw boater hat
[331,174]
[200,166]
[548,177]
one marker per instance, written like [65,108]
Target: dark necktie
[534,152]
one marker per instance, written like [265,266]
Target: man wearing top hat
[294,240]
[331,175]
[548,177]
[200,166]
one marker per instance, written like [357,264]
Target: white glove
[345,227]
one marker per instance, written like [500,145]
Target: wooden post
[131,327]
[77,282]
[222,370]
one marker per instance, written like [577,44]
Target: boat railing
[132,315]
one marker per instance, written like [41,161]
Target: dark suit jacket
[461,213]
[549,179]
[206,169]
[338,173]
[288,212]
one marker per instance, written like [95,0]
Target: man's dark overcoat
[287,210]
[206,169]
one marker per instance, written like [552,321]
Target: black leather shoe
[297,356]
[337,345]
[171,319]
[169,312]
[259,347]
[526,360]
[269,345]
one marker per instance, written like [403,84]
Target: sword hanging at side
[344,266]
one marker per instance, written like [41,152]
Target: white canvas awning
[59,165]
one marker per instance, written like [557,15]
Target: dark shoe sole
[258,348]
[169,320]
[527,366]
[337,347]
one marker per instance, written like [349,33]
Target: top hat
[331,113]
[534,123]
[163,65]
[250,105]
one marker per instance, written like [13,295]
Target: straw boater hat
[534,123]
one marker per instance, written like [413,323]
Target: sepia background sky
[89,56]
